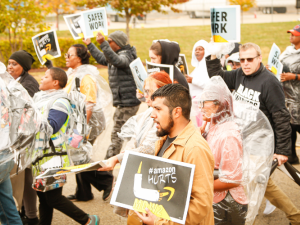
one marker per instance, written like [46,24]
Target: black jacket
[170,53]
[263,90]
[120,78]
[29,83]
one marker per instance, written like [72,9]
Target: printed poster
[75,25]
[154,67]
[226,23]
[94,21]
[273,61]
[161,185]
[46,46]
[139,73]
[182,64]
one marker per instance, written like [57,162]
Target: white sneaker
[269,208]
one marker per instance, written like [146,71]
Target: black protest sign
[161,185]
[155,67]
[182,64]
[46,46]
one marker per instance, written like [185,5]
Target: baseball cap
[295,31]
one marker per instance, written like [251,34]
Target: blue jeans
[8,210]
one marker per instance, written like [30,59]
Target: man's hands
[188,79]
[110,164]
[148,218]
[287,76]
[100,38]
[281,159]
[86,41]
[202,128]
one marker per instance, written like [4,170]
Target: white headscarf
[200,75]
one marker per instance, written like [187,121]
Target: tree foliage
[246,5]
[19,19]
[59,7]
[132,7]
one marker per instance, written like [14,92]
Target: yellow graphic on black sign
[158,210]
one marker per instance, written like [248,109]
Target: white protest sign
[273,61]
[154,67]
[74,24]
[225,23]
[94,20]
[139,73]
[46,46]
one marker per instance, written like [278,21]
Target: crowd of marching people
[231,117]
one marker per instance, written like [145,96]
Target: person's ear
[56,83]
[177,112]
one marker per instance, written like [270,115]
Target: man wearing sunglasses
[117,55]
[254,84]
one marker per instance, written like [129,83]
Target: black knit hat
[25,59]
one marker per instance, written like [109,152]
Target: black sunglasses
[242,60]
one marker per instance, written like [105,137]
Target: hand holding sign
[148,218]
[87,41]
[100,38]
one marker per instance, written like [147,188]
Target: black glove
[48,63]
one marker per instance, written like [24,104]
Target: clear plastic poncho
[242,141]
[140,132]
[219,49]
[290,59]
[102,110]
[19,124]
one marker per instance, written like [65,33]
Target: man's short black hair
[175,95]
[60,75]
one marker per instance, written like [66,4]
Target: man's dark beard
[164,132]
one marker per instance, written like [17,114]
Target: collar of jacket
[23,76]
[261,68]
[124,48]
[181,140]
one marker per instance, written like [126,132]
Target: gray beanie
[119,37]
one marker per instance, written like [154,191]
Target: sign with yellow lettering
[161,185]
[46,46]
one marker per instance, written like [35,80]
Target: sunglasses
[68,55]
[242,60]
[202,102]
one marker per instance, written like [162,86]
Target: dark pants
[295,129]
[55,200]
[122,114]
[229,212]
[99,179]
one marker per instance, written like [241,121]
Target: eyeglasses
[147,92]
[242,60]
[68,55]
[202,102]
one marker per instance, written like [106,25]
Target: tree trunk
[128,16]
[57,20]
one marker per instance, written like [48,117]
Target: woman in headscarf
[199,77]
[19,64]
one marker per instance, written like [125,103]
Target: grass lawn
[262,34]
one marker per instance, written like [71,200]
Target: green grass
[262,34]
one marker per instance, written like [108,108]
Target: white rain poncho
[243,147]
[290,59]
[102,111]
[140,132]
[199,74]
[19,124]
